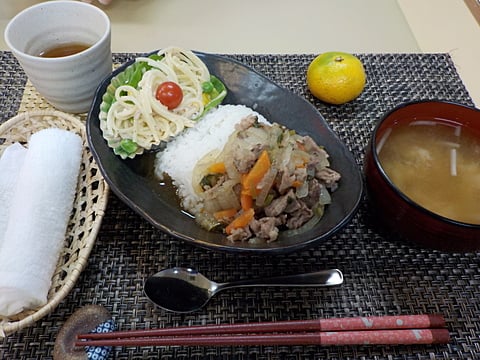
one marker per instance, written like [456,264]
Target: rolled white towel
[38,218]
[10,164]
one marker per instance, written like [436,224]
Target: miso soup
[436,164]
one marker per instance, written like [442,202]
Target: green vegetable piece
[207,87]
[108,97]
[134,78]
[209,180]
[279,138]
[219,92]
[135,71]
[217,84]
[127,147]
[156,57]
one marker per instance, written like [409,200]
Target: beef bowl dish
[217,155]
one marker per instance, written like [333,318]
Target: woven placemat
[382,277]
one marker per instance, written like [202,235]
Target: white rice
[182,153]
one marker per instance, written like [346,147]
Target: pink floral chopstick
[387,330]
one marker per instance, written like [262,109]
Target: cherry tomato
[169,94]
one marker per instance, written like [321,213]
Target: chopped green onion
[209,180]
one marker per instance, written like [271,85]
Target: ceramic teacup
[68,82]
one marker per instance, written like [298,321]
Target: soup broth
[437,165]
[64,50]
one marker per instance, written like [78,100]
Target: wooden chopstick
[329,324]
[373,337]
[403,329]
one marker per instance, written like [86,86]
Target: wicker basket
[87,214]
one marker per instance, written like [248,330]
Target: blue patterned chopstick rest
[100,352]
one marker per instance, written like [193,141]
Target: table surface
[306,26]
[382,275]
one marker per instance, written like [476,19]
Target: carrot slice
[225,214]
[240,221]
[256,173]
[217,168]
[246,201]
[297,184]
[243,178]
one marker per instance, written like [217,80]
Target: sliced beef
[244,159]
[314,190]
[278,205]
[299,217]
[286,179]
[310,145]
[293,203]
[246,122]
[266,228]
[240,234]
[318,155]
[329,177]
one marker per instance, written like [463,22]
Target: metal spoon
[185,290]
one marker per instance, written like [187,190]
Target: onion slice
[265,186]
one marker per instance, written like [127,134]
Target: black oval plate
[133,181]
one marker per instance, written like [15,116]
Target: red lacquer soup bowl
[396,213]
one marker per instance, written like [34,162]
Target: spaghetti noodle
[136,120]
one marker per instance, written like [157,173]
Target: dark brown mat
[382,277]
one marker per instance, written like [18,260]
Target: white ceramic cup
[67,82]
